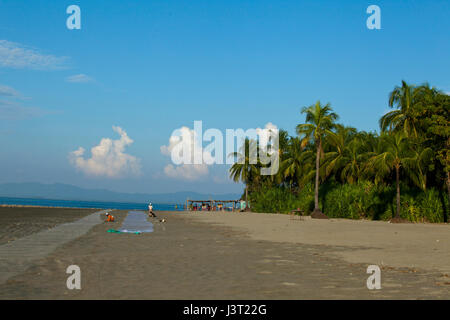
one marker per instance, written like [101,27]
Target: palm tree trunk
[246,197]
[448,186]
[316,190]
[397,176]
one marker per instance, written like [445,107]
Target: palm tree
[291,166]
[243,170]
[355,157]
[434,116]
[319,122]
[405,99]
[283,153]
[421,158]
[341,156]
[396,155]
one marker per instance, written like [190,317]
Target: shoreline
[219,212]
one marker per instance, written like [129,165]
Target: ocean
[89,204]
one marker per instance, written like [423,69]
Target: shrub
[282,200]
[353,201]
[419,206]
[305,199]
[431,206]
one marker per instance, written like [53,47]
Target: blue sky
[151,67]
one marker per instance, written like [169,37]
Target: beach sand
[20,221]
[231,256]
[416,246]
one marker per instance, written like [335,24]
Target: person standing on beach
[150,210]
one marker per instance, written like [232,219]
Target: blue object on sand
[136,222]
[113,231]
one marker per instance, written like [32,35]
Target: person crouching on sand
[109,217]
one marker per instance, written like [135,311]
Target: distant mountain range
[59,191]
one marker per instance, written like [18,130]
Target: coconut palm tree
[434,118]
[291,166]
[283,153]
[421,158]
[338,157]
[244,169]
[396,155]
[404,99]
[319,122]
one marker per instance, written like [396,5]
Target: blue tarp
[136,221]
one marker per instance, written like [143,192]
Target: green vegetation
[403,172]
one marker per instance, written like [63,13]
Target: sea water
[89,204]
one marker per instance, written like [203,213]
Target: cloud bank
[108,158]
[184,139]
[17,56]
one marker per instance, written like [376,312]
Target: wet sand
[19,255]
[189,258]
[20,221]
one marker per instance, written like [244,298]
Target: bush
[281,200]
[432,208]
[419,206]
[271,200]
[305,199]
[353,201]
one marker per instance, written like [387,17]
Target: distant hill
[59,191]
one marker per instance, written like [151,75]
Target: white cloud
[184,139]
[15,55]
[9,92]
[108,158]
[186,171]
[79,78]
[269,126]
[264,134]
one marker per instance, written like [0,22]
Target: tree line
[369,170]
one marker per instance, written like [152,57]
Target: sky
[95,107]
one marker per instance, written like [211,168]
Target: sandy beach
[416,246]
[241,256]
[20,221]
